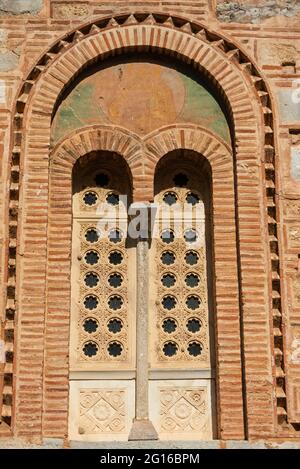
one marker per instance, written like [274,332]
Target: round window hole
[170,198]
[115,325]
[167,236]
[194,349]
[192,280]
[114,349]
[193,302]
[90,325]
[170,349]
[91,257]
[191,258]
[192,199]
[169,302]
[168,280]
[115,236]
[90,198]
[101,180]
[193,325]
[91,302]
[169,325]
[115,302]
[90,349]
[168,258]
[92,235]
[91,280]
[115,280]
[180,180]
[190,235]
[113,199]
[115,258]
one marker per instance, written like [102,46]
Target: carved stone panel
[178,289]
[181,409]
[101,410]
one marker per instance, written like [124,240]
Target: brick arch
[188,137]
[99,137]
[239,81]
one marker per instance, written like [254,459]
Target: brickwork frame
[250,105]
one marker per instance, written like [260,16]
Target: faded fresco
[141,97]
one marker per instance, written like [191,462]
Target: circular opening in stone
[192,198]
[90,302]
[101,180]
[168,280]
[92,235]
[167,236]
[168,258]
[180,180]
[114,349]
[90,349]
[115,257]
[192,280]
[115,325]
[191,257]
[170,198]
[169,325]
[170,349]
[190,235]
[90,198]
[193,325]
[90,325]
[91,257]
[91,279]
[193,302]
[169,302]
[115,302]
[194,349]
[115,236]
[115,280]
[113,198]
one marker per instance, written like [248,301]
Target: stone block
[20,7]
[289,105]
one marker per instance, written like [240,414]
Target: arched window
[181,299]
[103,299]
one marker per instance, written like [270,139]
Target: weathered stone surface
[20,6]
[69,10]
[253,11]
[8,61]
[289,105]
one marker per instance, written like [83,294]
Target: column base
[142,430]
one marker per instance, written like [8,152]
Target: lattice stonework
[100,288]
[181,309]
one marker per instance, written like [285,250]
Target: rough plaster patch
[69,10]
[289,107]
[2,92]
[253,11]
[9,60]
[17,7]
[278,53]
[295,163]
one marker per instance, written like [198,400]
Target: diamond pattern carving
[183,409]
[102,411]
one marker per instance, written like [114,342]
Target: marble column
[142,428]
